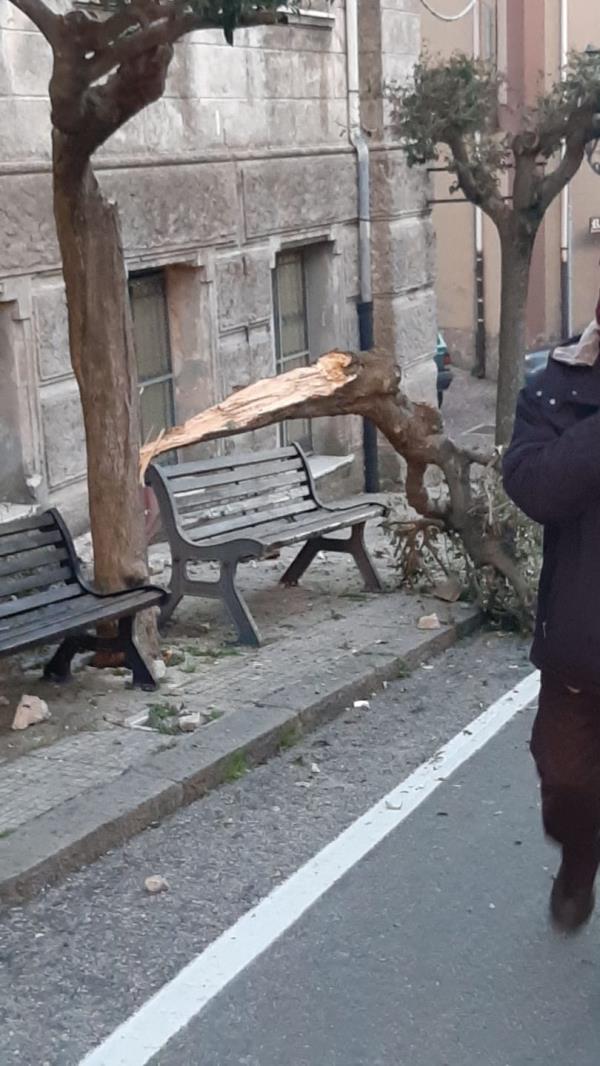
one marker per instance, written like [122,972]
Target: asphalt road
[433,950]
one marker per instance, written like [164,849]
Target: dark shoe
[572,899]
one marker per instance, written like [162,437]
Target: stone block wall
[246,155]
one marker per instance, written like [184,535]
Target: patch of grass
[403,670]
[360,597]
[161,717]
[290,736]
[236,767]
[6,833]
[214,715]
[226,652]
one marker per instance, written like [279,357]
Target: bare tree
[109,63]
[451,112]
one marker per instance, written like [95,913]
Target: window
[152,344]
[291,333]
[489,33]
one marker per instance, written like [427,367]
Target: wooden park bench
[44,599]
[243,507]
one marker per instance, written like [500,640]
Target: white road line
[143,1035]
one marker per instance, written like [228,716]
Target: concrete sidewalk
[93,776]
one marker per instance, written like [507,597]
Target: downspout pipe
[479,369]
[365,304]
[566,313]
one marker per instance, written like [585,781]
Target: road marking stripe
[143,1035]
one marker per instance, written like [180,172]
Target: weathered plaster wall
[246,154]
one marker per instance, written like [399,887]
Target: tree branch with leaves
[451,113]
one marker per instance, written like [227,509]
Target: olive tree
[450,112]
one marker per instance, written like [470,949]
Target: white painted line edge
[143,1035]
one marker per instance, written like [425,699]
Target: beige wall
[584,29]
[528,39]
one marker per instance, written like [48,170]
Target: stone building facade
[238,199]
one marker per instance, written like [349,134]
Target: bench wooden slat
[280,532]
[227,462]
[32,560]
[24,542]
[256,487]
[39,579]
[247,522]
[46,520]
[236,477]
[67,617]
[213,504]
[207,516]
[10,610]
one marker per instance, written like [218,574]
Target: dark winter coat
[552,472]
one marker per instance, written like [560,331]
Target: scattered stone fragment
[361,705]
[159,669]
[429,621]
[449,591]
[31,711]
[3,701]
[156,884]
[188,723]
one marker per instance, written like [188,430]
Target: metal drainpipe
[480,340]
[565,239]
[365,305]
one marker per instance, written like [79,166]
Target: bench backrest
[234,494]
[37,564]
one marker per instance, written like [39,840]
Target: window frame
[298,253]
[167,378]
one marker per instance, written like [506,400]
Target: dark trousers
[566,747]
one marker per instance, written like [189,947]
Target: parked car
[443,363]
[537,361]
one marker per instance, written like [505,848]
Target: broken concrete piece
[159,669]
[188,723]
[449,591]
[156,884]
[31,711]
[429,621]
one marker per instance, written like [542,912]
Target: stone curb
[46,850]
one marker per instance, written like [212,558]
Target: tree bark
[104,362]
[516,248]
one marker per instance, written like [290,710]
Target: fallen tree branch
[366,384]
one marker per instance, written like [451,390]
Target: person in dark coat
[552,473]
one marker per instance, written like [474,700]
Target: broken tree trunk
[103,358]
[343,383]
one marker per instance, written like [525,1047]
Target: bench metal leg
[237,607]
[365,564]
[354,546]
[176,592]
[302,562]
[59,667]
[142,676]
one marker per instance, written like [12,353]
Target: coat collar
[562,384]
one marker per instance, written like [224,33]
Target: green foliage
[225,13]
[163,718]
[578,91]
[426,554]
[236,768]
[456,97]
[451,112]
